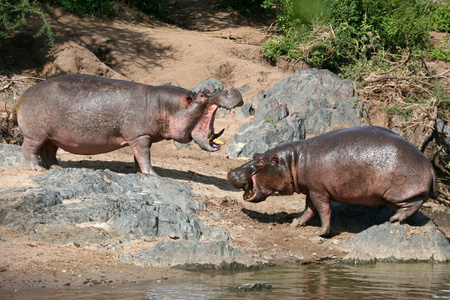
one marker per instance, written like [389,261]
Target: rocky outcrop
[309,102]
[10,155]
[93,208]
[215,255]
[394,242]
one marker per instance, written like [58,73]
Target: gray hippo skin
[85,114]
[369,166]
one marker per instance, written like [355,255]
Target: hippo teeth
[248,192]
[214,137]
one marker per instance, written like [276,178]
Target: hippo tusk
[214,137]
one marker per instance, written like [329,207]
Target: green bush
[14,14]
[341,32]
[440,20]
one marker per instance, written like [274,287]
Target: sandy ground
[213,44]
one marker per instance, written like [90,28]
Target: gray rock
[192,256]
[316,240]
[210,84]
[394,242]
[11,155]
[248,109]
[98,208]
[308,102]
[443,130]
[124,206]
[254,286]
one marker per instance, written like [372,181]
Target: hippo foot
[296,223]
[37,168]
[325,232]
[146,175]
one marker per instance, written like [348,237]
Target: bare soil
[213,43]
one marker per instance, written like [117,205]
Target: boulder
[104,202]
[306,103]
[11,155]
[394,242]
[216,255]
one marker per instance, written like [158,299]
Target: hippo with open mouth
[86,114]
[367,165]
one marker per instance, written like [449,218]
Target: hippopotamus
[366,165]
[85,114]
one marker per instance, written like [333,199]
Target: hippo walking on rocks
[367,165]
[85,114]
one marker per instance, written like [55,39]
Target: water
[378,281]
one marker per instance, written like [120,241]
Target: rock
[98,208]
[11,155]
[210,84]
[254,286]
[444,131]
[309,102]
[398,242]
[192,256]
[248,108]
[316,240]
[89,206]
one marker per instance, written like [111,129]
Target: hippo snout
[235,179]
[242,176]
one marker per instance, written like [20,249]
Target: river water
[339,281]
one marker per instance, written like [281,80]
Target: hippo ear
[206,92]
[274,160]
[256,155]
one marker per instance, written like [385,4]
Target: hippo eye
[189,99]
[275,160]
[261,161]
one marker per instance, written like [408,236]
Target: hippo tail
[16,109]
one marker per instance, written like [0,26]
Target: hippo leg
[309,212]
[322,205]
[407,210]
[31,149]
[48,155]
[141,149]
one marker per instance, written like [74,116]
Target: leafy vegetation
[14,15]
[333,33]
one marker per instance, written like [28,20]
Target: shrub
[13,16]
[340,32]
